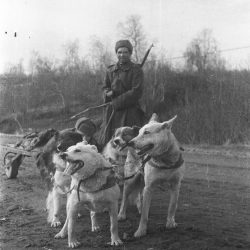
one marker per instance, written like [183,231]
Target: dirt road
[213,211]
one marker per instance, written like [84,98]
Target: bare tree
[202,53]
[72,60]
[14,96]
[100,54]
[40,65]
[45,92]
[15,69]
[132,29]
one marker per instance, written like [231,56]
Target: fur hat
[124,43]
[85,126]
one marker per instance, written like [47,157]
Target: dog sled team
[135,157]
[125,172]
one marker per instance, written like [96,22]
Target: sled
[15,148]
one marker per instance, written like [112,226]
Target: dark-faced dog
[133,179]
[114,155]
[126,164]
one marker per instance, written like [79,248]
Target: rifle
[146,55]
[88,109]
[106,104]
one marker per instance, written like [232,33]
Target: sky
[46,25]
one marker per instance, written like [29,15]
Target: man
[123,87]
[87,128]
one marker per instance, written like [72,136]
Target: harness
[60,188]
[166,165]
[157,164]
[140,170]
[61,191]
[111,181]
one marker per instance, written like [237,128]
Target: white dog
[51,167]
[56,199]
[93,185]
[166,165]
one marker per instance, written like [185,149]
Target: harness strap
[140,170]
[161,165]
[62,191]
[111,181]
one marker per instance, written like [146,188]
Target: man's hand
[109,93]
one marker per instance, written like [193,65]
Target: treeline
[48,93]
[211,101]
[213,106]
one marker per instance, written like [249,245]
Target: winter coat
[126,82]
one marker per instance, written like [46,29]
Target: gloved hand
[109,93]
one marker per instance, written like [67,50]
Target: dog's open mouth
[119,145]
[124,145]
[142,151]
[73,166]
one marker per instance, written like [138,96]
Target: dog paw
[74,244]
[121,217]
[55,223]
[171,224]
[140,232]
[95,228]
[60,235]
[115,241]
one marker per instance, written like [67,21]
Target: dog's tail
[50,207]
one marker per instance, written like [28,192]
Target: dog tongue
[76,166]
[73,167]
[68,168]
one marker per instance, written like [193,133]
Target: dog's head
[82,159]
[48,159]
[43,137]
[153,138]
[123,135]
[66,138]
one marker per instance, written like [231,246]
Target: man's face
[123,55]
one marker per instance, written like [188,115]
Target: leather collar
[166,165]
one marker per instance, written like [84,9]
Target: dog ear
[56,135]
[74,130]
[94,147]
[168,124]
[154,118]
[84,142]
[113,136]
[136,130]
